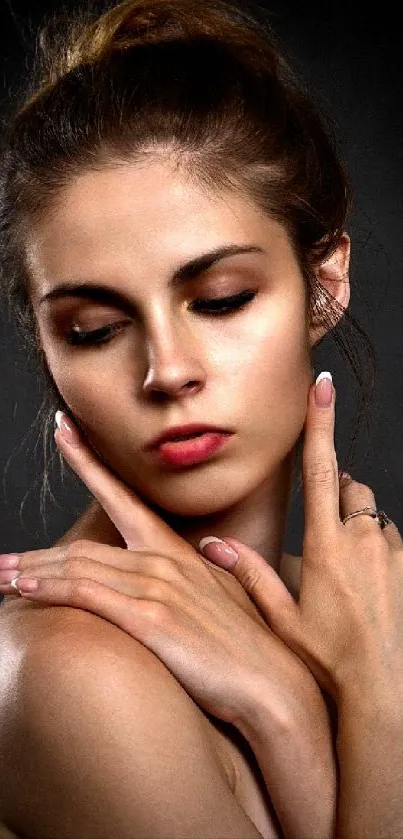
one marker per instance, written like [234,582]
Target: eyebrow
[183,274]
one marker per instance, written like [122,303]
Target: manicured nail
[217,550]
[324,390]
[67,429]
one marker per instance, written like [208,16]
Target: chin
[192,508]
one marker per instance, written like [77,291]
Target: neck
[258,521]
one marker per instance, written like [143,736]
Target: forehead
[147,216]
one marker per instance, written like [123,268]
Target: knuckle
[362,486]
[156,612]
[165,566]
[156,590]
[167,570]
[251,579]
[321,472]
[352,486]
[371,539]
[77,548]
[75,567]
[319,541]
[83,591]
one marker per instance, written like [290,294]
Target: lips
[183,437]
[180,432]
[195,449]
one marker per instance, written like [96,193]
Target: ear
[334,277]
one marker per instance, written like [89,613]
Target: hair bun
[138,22]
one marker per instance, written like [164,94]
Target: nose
[174,366]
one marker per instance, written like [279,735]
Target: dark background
[353,64]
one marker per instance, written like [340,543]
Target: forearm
[296,754]
[370,751]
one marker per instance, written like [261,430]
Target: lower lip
[194,450]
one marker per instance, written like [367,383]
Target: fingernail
[215,549]
[67,429]
[324,390]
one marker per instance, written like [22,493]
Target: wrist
[293,743]
[278,707]
[371,694]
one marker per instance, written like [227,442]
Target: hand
[349,617]
[199,620]
[195,617]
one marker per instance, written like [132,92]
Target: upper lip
[178,430]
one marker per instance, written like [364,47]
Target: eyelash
[224,307]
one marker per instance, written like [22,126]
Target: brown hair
[204,83]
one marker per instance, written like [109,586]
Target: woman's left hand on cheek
[164,593]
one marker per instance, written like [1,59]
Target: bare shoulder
[101,740]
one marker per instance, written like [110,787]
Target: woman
[169,188]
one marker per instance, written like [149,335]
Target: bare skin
[249,371]
[95,525]
[230,751]
[128,229]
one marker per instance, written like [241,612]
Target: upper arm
[108,744]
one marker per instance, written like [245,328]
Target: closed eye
[218,307]
[224,305]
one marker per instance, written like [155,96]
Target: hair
[204,85]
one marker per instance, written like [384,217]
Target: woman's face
[171,362]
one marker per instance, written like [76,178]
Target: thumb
[258,579]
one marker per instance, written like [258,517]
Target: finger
[276,604]
[143,559]
[260,581]
[28,558]
[109,555]
[123,570]
[125,611]
[137,523]
[79,548]
[392,536]
[26,561]
[142,563]
[355,496]
[6,587]
[319,465]
[127,582]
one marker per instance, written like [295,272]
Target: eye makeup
[215,307]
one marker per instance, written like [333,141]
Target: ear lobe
[333,274]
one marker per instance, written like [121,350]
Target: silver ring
[379,515]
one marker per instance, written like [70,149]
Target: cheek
[88,393]
[275,376]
